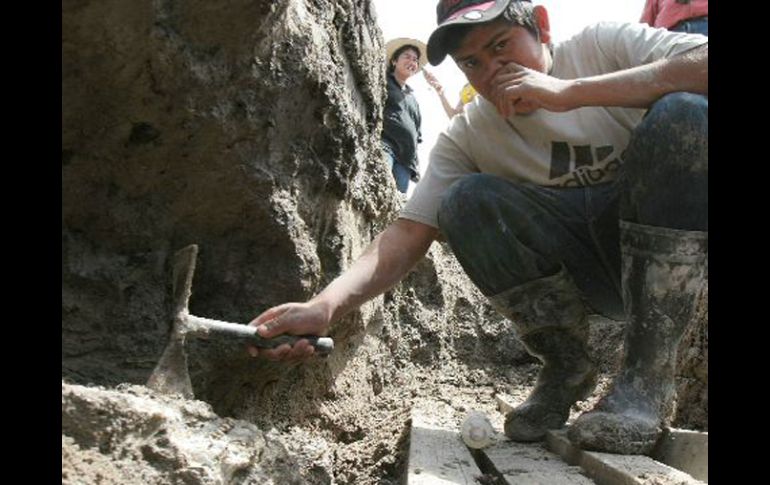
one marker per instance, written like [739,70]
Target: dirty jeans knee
[665,171]
[483,219]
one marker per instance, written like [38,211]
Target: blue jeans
[505,234]
[400,173]
[699,25]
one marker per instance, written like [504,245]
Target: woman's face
[407,64]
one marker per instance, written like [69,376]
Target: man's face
[488,47]
[407,64]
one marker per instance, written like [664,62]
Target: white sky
[417,19]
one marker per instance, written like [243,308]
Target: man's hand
[294,319]
[519,90]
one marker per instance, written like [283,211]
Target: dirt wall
[247,127]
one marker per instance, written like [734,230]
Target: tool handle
[206,326]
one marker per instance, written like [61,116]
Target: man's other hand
[519,90]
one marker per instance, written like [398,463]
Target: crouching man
[575,182]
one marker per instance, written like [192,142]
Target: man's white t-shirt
[571,149]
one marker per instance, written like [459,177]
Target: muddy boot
[663,272]
[551,321]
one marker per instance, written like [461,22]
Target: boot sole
[614,433]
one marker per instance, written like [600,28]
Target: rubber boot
[551,321]
[662,275]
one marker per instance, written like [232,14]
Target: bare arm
[436,85]
[448,109]
[641,86]
[383,264]
[523,90]
[458,109]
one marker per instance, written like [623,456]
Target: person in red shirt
[689,16]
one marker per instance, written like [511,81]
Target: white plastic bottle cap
[477,431]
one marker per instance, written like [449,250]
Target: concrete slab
[504,403]
[531,464]
[685,450]
[437,455]
[611,469]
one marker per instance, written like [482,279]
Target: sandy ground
[133,435]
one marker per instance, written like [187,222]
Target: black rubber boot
[663,273]
[551,321]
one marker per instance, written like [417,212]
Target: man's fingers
[269,314]
[513,67]
[304,349]
[276,354]
[502,89]
[506,97]
[513,92]
[508,72]
[525,107]
[301,351]
[502,79]
[500,105]
[500,102]
[284,323]
[276,322]
[271,328]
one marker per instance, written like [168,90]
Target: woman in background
[401,117]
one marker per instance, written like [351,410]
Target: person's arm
[436,85]
[384,263]
[521,90]
[459,108]
[448,109]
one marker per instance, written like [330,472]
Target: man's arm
[641,86]
[523,90]
[384,263]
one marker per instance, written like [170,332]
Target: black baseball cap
[459,12]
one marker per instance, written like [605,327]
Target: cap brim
[437,50]
[394,44]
